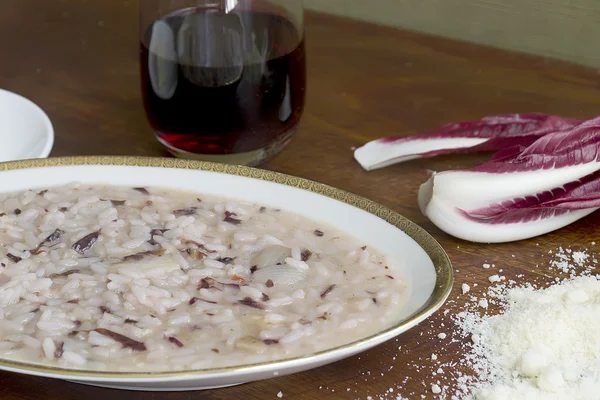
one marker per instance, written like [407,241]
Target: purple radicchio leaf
[576,145]
[520,193]
[487,134]
[577,195]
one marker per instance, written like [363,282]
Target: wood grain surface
[78,59]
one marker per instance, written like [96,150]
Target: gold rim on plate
[434,250]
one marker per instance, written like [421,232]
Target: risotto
[145,279]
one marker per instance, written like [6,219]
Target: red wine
[216,83]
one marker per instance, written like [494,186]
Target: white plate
[421,260]
[25,130]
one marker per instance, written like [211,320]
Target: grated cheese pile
[518,340]
[546,345]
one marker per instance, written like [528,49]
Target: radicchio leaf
[487,134]
[578,195]
[521,192]
[572,146]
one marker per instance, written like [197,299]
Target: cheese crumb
[465,288]
[579,257]
[486,265]
[434,356]
[494,279]
[436,389]
[442,335]
[280,395]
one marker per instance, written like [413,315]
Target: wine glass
[223,80]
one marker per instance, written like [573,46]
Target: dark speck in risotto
[230,218]
[175,341]
[142,190]
[13,258]
[185,211]
[86,242]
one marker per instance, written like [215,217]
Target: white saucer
[25,130]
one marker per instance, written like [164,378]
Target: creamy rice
[144,279]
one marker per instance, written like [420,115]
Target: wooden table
[78,59]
